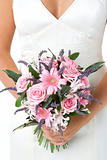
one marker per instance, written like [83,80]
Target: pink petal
[50,90]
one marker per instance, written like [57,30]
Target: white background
[7,106]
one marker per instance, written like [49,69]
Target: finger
[47,137]
[58,143]
[44,127]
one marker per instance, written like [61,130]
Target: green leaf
[59,107]
[74,114]
[47,103]
[29,85]
[46,144]
[63,146]
[74,55]
[18,102]
[98,64]
[40,140]
[28,118]
[38,133]
[13,75]
[52,53]
[52,147]
[57,148]
[79,67]
[33,72]
[36,129]
[29,123]
[85,110]
[64,90]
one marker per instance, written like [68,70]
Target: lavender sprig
[87,72]
[78,105]
[60,129]
[40,54]
[87,89]
[42,121]
[46,66]
[80,113]
[36,108]
[35,81]
[9,88]
[61,54]
[53,105]
[62,70]
[69,53]
[88,97]
[21,109]
[23,62]
[40,68]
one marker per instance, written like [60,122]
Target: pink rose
[45,114]
[36,94]
[71,70]
[69,105]
[83,101]
[21,84]
[85,82]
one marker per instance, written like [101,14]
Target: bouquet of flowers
[52,92]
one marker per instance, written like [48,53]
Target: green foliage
[74,114]
[64,91]
[29,85]
[79,67]
[29,123]
[33,72]
[13,75]
[57,148]
[40,136]
[59,107]
[47,103]
[85,110]
[36,129]
[18,101]
[46,143]
[74,55]
[40,140]
[52,146]
[98,64]
[52,52]
[82,109]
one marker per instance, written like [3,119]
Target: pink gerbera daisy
[52,80]
[45,114]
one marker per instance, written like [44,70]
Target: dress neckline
[64,13]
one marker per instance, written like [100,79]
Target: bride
[77,25]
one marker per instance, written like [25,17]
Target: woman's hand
[55,137]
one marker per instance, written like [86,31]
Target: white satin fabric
[79,29]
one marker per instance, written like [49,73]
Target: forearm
[6,62]
[78,122]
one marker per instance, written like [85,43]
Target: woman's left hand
[70,131]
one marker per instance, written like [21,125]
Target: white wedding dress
[79,29]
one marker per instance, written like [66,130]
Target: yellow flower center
[43,113]
[53,80]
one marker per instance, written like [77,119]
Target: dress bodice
[79,29]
